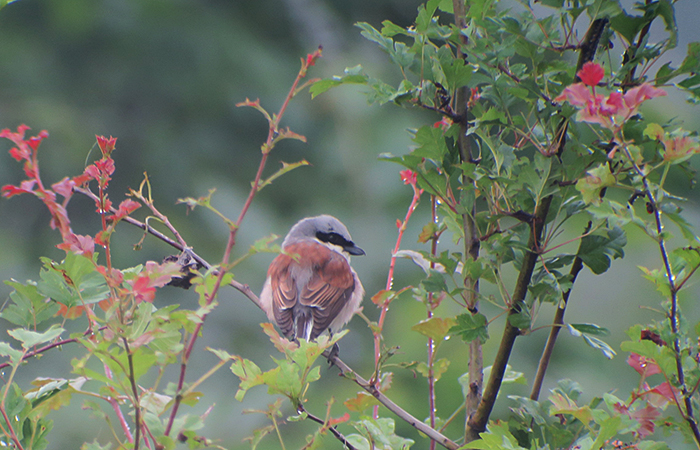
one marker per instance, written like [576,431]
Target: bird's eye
[332,238]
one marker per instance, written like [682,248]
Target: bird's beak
[354,250]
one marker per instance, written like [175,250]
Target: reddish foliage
[591,74]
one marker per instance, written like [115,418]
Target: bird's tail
[303,325]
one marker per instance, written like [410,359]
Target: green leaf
[435,282]
[588,328]
[382,432]
[249,374]
[435,328]
[14,354]
[286,167]
[73,282]
[352,75]
[430,143]
[522,319]
[30,339]
[94,445]
[595,250]
[599,345]
[498,437]
[29,308]
[471,326]
[628,26]
[595,180]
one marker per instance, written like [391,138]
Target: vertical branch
[135,391]
[8,385]
[673,314]
[471,233]
[431,343]
[409,177]
[477,423]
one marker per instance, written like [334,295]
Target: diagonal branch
[419,425]
[557,323]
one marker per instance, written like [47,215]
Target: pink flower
[591,74]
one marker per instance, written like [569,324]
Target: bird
[311,287]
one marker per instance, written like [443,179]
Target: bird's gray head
[326,229]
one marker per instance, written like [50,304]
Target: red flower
[591,74]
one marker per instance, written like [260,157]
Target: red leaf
[64,187]
[312,57]
[126,207]
[19,154]
[106,145]
[25,187]
[143,292]
[408,177]
[344,418]
[646,417]
[591,74]
[80,245]
[662,394]
[644,366]
[70,313]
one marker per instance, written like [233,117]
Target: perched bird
[310,287]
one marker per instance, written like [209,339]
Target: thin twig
[135,391]
[430,307]
[689,414]
[323,424]
[377,333]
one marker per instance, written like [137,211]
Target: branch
[557,323]
[472,242]
[477,424]
[135,391]
[273,136]
[348,373]
[243,288]
[672,316]
[323,424]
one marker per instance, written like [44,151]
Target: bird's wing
[318,286]
[284,292]
[329,288]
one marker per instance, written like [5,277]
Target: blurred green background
[164,77]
